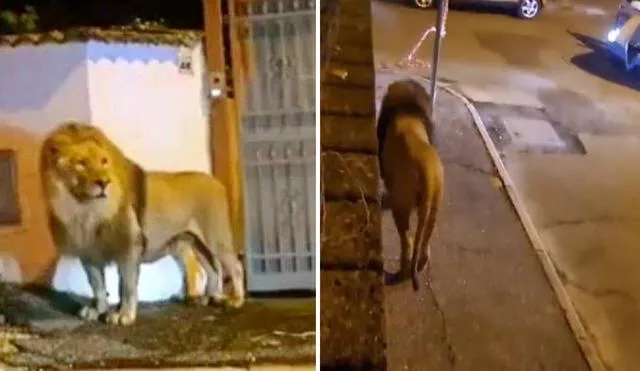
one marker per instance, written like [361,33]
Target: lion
[411,169]
[104,208]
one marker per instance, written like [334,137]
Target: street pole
[443,10]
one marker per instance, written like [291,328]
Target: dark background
[63,14]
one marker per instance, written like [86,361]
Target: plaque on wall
[9,200]
[185,61]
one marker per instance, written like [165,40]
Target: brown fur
[140,217]
[411,169]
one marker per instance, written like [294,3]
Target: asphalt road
[577,119]
[560,52]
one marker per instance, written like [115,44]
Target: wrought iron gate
[279,147]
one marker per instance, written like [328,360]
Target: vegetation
[19,22]
[16,16]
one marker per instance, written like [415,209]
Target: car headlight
[613,35]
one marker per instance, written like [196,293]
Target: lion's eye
[104,161]
[61,161]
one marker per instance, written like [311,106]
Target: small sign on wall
[185,61]
[9,203]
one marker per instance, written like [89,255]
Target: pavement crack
[470,167]
[600,293]
[445,337]
[481,251]
[596,219]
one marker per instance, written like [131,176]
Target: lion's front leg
[95,274]
[129,271]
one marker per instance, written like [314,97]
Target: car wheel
[423,4]
[528,9]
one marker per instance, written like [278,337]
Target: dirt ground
[41,333]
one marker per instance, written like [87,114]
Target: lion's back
[189,192]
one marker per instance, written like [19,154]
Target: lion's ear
[55,155]
[54,151]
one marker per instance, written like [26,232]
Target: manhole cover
[528,132]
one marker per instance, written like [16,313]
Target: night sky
[61,14]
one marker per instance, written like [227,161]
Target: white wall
[155,113]
[42,85]
[137,95]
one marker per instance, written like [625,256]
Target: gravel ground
[264,331]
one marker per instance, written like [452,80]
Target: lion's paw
[219,299]
[89,313]
[198,300]
[235,302]
[120,318]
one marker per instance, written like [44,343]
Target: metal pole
[443,9]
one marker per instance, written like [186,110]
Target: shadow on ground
[596,62]
[280,331]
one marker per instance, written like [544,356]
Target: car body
[525,9]
[623,38]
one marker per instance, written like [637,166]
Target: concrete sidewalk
[491,307]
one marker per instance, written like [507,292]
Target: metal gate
[279,147]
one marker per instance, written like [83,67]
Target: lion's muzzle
[100,188]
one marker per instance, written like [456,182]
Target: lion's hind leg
[233,266]
[225,258]
[401,218]
[209,260]
[191,253]
[182,250]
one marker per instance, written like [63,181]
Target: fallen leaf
[340,72]
[497,182]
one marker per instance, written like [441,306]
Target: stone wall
[351,283]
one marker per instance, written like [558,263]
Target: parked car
[623,38]
[525,9]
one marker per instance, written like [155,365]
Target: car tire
[528,9]
[423,4]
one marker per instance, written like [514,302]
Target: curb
[590,351]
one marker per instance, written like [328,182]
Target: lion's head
[82,162]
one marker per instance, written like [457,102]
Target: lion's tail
[433,176]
